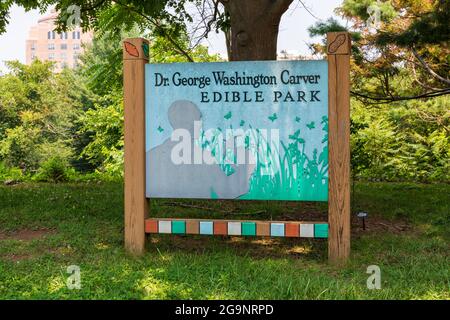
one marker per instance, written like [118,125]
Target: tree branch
[156,24]
[381,100]
[308,10]
[428,68]
[416,79]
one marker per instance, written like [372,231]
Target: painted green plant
[295,176]
[286,174]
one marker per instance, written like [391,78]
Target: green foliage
[101,63]
[408,141]
[18,148]
[101,68]
[10,174]
[54,169]
[38,109]
[359,8]
[104,124]
[431,28]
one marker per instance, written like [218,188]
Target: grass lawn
[44,228]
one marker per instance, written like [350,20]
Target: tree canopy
[400,68]
[405,56]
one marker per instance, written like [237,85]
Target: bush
[406,141]
[55,169]
[10,174]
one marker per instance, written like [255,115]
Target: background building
[45,44]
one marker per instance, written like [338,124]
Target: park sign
[255,130]
[249,130]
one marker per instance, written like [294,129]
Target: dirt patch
[17,257]
[375,224]
[26,234]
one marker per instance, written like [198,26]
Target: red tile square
[151,226]
[292,229]
[220,228]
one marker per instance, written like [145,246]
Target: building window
[75,59]
[76,46]
[51,56]
[63,35]
[33,56]
[49,35]
[76,35]
[33,46]
[51,46]
[63,46]
[53,35]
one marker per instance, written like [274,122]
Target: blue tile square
[206,227]
[277,229]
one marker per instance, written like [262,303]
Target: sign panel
[254,130]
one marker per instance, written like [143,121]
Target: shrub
[10,174]
[54,169]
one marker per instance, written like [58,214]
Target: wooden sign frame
[135,56]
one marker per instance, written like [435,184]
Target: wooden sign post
[338,49]
[167,99]
[135,56]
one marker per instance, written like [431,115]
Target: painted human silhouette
[203,181]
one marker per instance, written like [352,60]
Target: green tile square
[178,227]
[321,230]
[248,228]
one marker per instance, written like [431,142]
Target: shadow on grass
[257,248]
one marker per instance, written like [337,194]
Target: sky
[293,33]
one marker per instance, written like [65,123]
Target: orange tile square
[151,226]
[192,226]
[292,229]
[220,228]
[263,229]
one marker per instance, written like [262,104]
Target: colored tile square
[263,229]
[277,229]
[192,227]
[178,227]
[220,228]
[151,226]
[307,230]
[321,230]
[292,229]
[234,228]
[165,227]
[248,229]
[206,227]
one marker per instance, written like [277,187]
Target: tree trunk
[254,28]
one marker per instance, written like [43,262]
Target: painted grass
[86,220]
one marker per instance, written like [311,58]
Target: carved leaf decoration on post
[335,45]
[131,49]
[145,48]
